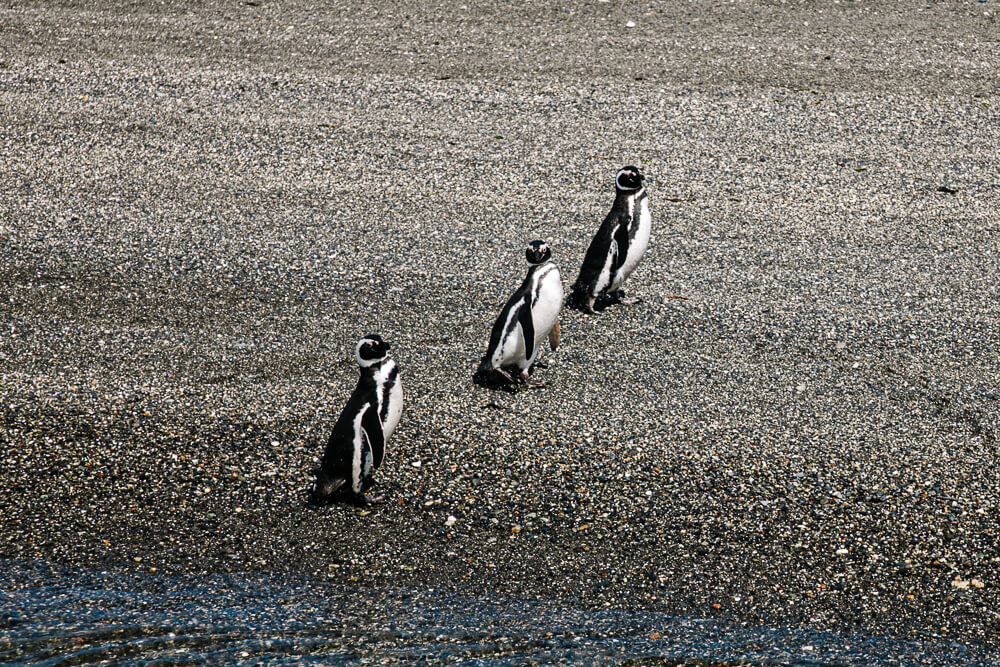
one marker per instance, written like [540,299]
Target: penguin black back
[356,446]
[601,270]
[530,314]
[504,326]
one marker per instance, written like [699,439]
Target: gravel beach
[205,205]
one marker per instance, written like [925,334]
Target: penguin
[617,247]
[358,442]
[529,316]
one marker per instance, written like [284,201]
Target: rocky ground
[204,207]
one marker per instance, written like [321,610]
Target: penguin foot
[529,383]
[618,297]
[326,490]
[495,378]
[373,500]
[584,304]
[505,374]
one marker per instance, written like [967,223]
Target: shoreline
[304,615]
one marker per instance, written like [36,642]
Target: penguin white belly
[545,310]
[389,372]
[638,243]
[395,410]
[511,348]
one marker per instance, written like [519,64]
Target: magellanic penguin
[531,314]
[617,247]
[358,442]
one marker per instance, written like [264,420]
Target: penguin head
[628,179]
[371,350]
[537,252]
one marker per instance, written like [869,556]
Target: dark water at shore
[55,615]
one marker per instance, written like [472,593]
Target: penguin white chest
[639,232]
[390,389]
[395,409]
[547,301]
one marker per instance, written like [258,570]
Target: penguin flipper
[621,243]
[527,327]
[554,336]
[372,426]
[586,286]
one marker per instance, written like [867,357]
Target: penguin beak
[388,345]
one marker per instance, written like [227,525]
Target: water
[54,615]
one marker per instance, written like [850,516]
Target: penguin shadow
[606,301]
[344,498]
[507,380]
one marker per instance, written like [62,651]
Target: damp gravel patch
[85,616]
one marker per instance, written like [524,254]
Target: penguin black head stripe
[629,178]
[537,252]
[370,350]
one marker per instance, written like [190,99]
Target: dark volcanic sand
[203,208]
